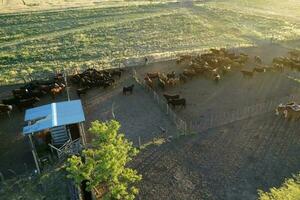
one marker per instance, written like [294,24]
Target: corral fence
[214,120]
[210,120]
[181,125]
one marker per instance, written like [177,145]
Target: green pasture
[36,43]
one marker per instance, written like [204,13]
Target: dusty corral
[231,161]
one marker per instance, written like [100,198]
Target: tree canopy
[104,165]
[289,190]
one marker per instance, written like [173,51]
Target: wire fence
[222,118]
[181,125]
[211,120]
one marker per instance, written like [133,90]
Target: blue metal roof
[52,115]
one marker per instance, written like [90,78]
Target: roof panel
[52,115]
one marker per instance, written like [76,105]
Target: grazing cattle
[19,92]
[189,72]
[5,109]
[291,113]
[149,82]
[178,102]
[161,83]
[128,89]
[153,75]
[217,78]
[57,90]
[247,73]
[172,81]
[11,101]
[171,97]
[184,58]
[278,67]
[259,69]
[81,91]
[257,60]
[171,75]
[183,78]
[163,77]
[27,103]
[226,69]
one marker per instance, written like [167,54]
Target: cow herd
[28,95]
[290,111]
[93,78]
[213,65]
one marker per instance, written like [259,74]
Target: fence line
[222,118]
[211,120]
[181,125]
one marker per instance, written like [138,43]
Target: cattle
[290,111]
[178,102]
[128,89]
[19,92]
[183,78]
[149,82]
[81,91]
[5,109]
[259,69]
[27,103]
[247,73]
[172,81]
[169,97]
[278,67]
[11,101]
[257,60]
[189,72]
[57,90]
[184,58]
[226,69]
[217,78]
[161,83]
[153,75]
[163,77]
[171,75]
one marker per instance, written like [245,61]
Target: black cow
[128,89]
[178,102]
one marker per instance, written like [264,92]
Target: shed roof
[52,115]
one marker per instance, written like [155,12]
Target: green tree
[289,190]
[104,165]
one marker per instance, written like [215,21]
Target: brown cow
[153,75]
[178,102]
[57,90]
[257,60]
[259,69]
[149,82]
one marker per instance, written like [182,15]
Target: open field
[37,43]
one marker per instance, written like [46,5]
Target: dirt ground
[231,162]
[138,114]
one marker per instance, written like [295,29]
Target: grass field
[38,42]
